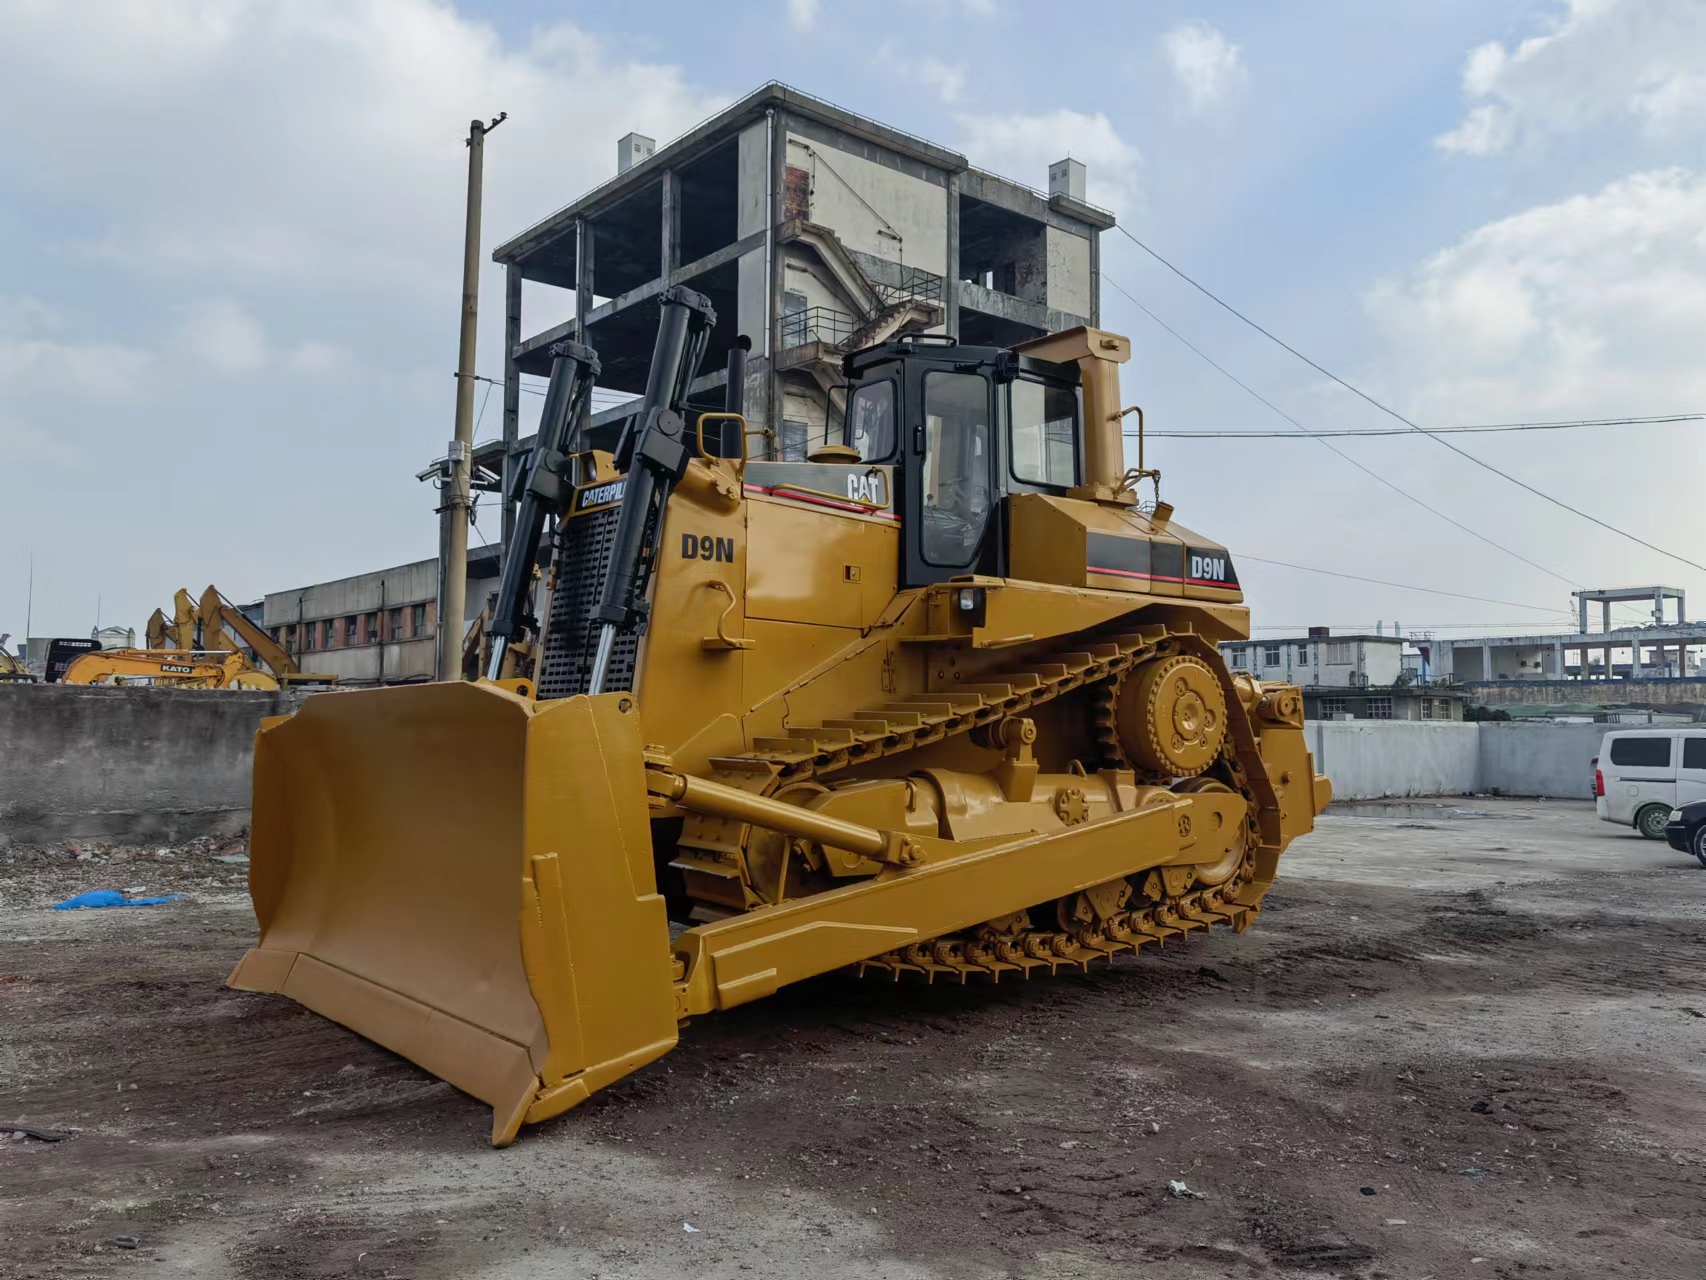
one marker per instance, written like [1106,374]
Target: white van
[1645,773]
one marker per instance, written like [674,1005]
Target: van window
[1644,753]
[1694,753]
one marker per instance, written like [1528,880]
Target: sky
[230,242]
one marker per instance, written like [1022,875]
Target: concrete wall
[1371,759]
[843,184]
[1068,272]
[1368,759]
[1540,759]
[132,764]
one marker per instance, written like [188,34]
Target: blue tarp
[109,898]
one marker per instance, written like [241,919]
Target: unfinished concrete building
[814,232]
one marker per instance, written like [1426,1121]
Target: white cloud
[802,14]
[1602,61]
[1594,304]
[1208,67]
[70,370]
[321,360]
[312,144]
[947,80]
[225,336]
[20,442]
[1022,147]
[301,166]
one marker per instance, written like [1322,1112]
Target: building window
[329,634]
[795,437]
[417,620]
[352,630]
[1339,653]
[396,624]
[308,637]
[1332,707]
[373,628]
[1302,653]
[1238,659]
[1271,656]
[1380,708]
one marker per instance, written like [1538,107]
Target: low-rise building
[373,628]
[1347,677]
[1320,659]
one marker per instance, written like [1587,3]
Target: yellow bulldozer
[939,703]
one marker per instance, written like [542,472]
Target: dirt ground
[1459,1042]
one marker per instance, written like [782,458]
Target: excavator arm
[190,669]
[224,625]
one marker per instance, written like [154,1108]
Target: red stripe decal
[1158,577]
[789,495]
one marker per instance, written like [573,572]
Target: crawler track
[1015,947]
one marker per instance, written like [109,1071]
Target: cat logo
[599,494]
[868,489]
[1208,568]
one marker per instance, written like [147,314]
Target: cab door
[948,466]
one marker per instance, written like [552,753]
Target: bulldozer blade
[465,877]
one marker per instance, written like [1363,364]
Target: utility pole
[458,464]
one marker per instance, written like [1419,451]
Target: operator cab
[963,428]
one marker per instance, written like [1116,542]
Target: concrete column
[671,254]
[583,275]
[1605,618]
[1095,279]
[512,389]
[951,284]
[1582,607]
[1658,606]
[1486,662]
[1557,661]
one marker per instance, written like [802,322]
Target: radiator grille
[583,557]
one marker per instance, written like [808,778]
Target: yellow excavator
[940,703]
[180,668]
[12,669]
[214,625]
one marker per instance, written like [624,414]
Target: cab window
[956,473]
[1043,428]
[870,421]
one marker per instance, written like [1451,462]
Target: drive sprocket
[1170,716]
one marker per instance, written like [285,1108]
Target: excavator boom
[187,669]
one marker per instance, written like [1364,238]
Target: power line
[1360,393]
[1405,431]
[1369,471]
[1404,586]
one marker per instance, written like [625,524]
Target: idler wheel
[1172,716]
